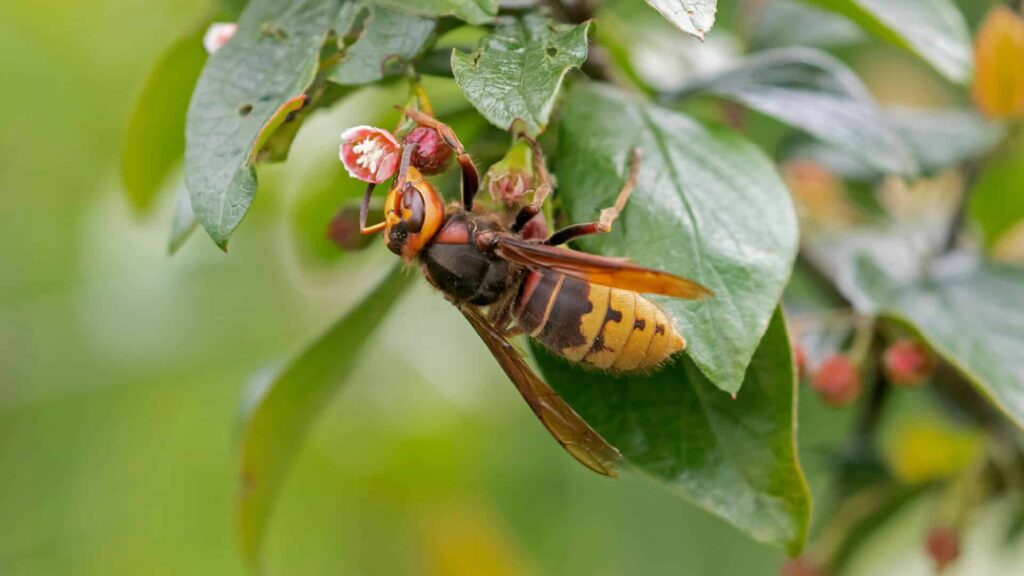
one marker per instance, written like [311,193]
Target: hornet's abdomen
[602,327]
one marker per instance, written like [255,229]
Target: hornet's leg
[364,210]
[364,207]
[608,215]
[470,175]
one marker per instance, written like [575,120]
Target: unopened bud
[907,363]
[509,180]
[837,381]
[217,35]
[343,230]
[431,155]
[801,566]
[943,545]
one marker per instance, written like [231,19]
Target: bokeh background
[122,369]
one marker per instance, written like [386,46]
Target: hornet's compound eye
[414,209]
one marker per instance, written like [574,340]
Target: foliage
[878,218]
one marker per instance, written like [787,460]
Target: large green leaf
[691,16]
[971,313]
[155,139]
[733,457]
[933,29]
[389,40]
[708,205]
[813,91]
[472,11]
[247,89]
[518,69]
[280,412]
[997,201]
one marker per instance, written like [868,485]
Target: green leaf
[183,221]
[812,91]
[735,458]
[708,205]
[782,23]
[390,39]
[277,417]
[694,17]
[518,69]
[154,141]
[971,313]
[248,89]
[935,30]
[472,11]
[938,138]
[997,201]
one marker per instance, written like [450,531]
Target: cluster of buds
[905,363]
[373,154]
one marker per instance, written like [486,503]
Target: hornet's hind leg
[608,215]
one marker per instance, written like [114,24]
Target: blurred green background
[122,369]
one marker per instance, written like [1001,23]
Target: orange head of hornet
[413,211]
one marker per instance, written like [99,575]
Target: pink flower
[217,35]
[370,154]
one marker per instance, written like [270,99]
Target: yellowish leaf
[999,60]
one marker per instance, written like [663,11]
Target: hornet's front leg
[470,174]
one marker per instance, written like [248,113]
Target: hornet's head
[413,213]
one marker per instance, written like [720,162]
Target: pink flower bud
[907,363]
[343,230]
[837,381]
[801,567]
[370,154]
[943,545]
[217,35]
[431,155]
[509,180]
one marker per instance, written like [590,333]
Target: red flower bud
[369,154]
[431,155]
[907,363]
[801,567]
[837,381]
[943,545]
[344,229]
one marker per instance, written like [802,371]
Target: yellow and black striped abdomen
[603,327]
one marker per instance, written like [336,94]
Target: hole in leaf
[552,51]
[244,109]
